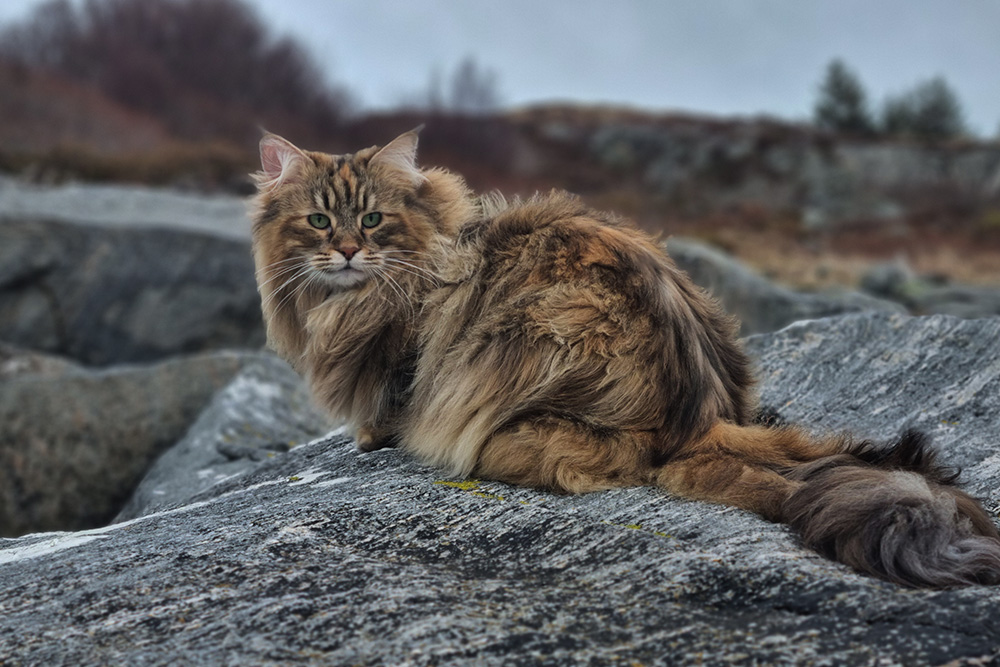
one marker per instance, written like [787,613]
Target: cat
[545,344]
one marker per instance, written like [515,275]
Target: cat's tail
[894,513]
[889,511]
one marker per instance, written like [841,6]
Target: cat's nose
[348,251]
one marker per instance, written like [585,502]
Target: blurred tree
[473,89]
[931,111]
[897,116]
[202,66]
[470,90]
[842,105]
[435,91]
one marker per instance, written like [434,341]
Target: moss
[470,485]
[465,484]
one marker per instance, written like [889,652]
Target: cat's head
[338,222]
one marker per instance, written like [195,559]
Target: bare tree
[473,89]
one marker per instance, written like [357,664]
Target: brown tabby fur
[545,344]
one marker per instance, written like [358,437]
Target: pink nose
[348,251]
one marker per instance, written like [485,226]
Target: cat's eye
[370,220]
[319,221]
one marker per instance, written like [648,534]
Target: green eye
[319,221]
[371,220]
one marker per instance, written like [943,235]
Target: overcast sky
[727,57]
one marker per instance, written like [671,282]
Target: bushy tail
[894,513]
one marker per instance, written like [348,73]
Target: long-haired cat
[545,344]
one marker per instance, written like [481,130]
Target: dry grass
[841,259]
[212,165]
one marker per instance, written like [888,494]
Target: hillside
[805,207]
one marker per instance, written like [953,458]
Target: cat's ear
[400,155]
[280,162]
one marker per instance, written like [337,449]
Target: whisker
[397,289]
[409,254]
[280,262]
[405,262]
[298,290]
[418,271]
[397,250]
[285,284]
[380,272]
[280,267]
[284,271]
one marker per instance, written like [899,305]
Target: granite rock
[106,295]
[262,412]
[126,207]
[760,304]
[75,442]
[924,295]
[106,274]
[324,554]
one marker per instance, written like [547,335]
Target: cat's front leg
[370,438]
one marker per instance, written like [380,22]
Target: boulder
[875,375]
[125,273]
[929,296]
[74,443]
[106,295]
[760,304]
[126,207]
[325,554]
[15,362]
[264,411]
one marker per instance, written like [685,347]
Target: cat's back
[589,317]
[553,248]
[555,243]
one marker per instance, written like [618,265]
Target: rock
[968,301]
[888,280]
[74,443]
[15,362]
[877,374]
[928,296]
[329,555]
[760,304]
[125,207]
[705,165]
[264,411]
[104,295]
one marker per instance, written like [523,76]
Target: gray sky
[726,57]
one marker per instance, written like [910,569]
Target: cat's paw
[370,438]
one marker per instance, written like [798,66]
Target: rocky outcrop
[128,289]
[125,206]
[105,295]
[326,554]
[875,375]
[263,412]
[111,294]
[700,165]
[74,443]
[759,304]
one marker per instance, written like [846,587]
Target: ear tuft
[280,161]
[400,155]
